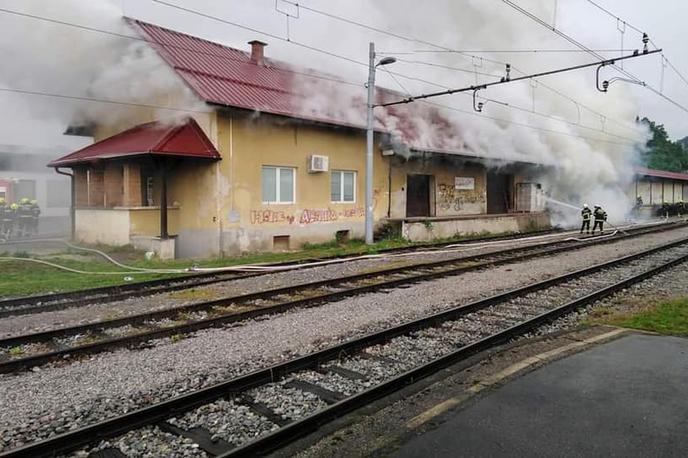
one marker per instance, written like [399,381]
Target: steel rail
[300,428]
[464,266]
[121,424]
[71,299]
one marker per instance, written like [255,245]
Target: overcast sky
[474,25]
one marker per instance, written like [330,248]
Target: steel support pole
[369,150]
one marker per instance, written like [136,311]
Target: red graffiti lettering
[309,216]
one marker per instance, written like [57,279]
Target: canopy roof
[181,139]
[662,174]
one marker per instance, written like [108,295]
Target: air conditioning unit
[318,163]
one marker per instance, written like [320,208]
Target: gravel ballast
[38,404]
[23,324]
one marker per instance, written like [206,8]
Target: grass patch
[668,317]
[27,278]
[16,351]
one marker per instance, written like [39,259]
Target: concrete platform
[626,398]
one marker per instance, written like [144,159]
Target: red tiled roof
[227,76]
[154,138]
[661,174]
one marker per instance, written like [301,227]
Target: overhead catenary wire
[520,78]
[326,52]
[509,51]
[613,15]
[621,124]
[120,35]
[634,79]
[529,126]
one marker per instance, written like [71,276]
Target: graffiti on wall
[271,216]
[451,198]
[305,216]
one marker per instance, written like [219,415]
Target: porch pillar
[162,166]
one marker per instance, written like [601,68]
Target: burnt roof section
[182,139]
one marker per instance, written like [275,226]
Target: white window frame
[277,185]
[341,186]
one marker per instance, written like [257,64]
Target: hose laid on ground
[265,268]
[68,269]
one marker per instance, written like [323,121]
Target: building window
[278,185]
[343,186]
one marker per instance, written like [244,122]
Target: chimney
[257,51]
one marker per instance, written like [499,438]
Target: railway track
[260,411]
[57,301]
[30,350]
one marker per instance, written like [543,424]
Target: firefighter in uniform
[35,213]
[4,215]
[24,217]
[586,214]
[600,217]
[10,221]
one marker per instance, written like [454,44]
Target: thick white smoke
[594,169]
[57,59]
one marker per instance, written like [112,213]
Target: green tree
[661,152]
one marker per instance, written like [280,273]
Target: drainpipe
[163,200]
[72,211]
[389,189]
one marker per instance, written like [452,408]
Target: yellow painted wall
[146,221]
[445,200]
[248,144]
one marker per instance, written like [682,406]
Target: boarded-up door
[498,193]
[417,195]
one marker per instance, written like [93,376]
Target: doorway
[418,195]
[499,195]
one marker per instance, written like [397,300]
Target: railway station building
[266,169]
[656,187]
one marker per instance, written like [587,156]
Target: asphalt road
[626,398]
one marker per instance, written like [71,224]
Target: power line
[514,51]
[144,105]
[94,99]
[463,53]
[507,121]
[313,48]
[507,80]
[634,78]
[600,7]
[666,59]
[548,116]
[446,67]
[168,45]
[566,37]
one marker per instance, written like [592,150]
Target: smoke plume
[594,169]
